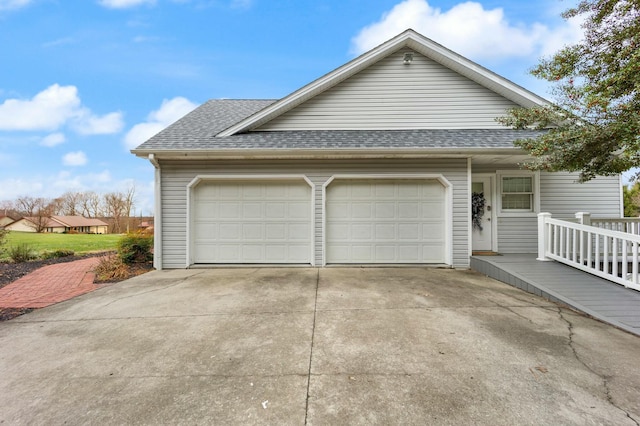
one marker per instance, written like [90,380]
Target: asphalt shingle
[197,131]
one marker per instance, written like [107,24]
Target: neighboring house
[373,163]
[80,224]
[59,225]
[30,224]
[5,220]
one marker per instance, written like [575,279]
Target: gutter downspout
[157,222]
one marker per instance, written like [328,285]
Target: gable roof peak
[408,38]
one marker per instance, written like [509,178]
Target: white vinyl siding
[517,234]
[563,197]
[176,176]
[391,95]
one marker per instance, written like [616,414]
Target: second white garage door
[252,222]
[385,221]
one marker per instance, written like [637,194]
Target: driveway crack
[159,288]
[604,378]
[313,333]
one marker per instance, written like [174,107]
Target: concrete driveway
[315,346]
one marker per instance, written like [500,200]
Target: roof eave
[282,154]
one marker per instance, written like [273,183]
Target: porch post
[543,236]
[584,218]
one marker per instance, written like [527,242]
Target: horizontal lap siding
[176,176]
[391,95]
[562,196]
[518,234]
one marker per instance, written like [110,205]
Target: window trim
[500,174]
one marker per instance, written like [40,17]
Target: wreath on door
[477,209]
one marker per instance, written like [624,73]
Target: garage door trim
[395,176]
[244,178]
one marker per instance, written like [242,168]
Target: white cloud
[124,4]
[53,139]
[48,110]
[89,124]
[51,186]
[13,4]
[170,111]
[76,158]
[469,29]
[241,4]
[53,108]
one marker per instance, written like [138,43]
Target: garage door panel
[276,231]
[410,191]
[384,231]
[360,231]
[385,210]
[410,252]
[409,210]
[275,210]
[361,210]
[252,222]
[299,210]
[225,209]
[385,221]
[409,231]
[230,231]
[298,232]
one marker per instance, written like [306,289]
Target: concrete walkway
[50,284]
[305,346]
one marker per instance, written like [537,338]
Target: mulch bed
[10,272]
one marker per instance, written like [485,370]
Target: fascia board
[476,72]
[318,86]
[413,40]
[282,154]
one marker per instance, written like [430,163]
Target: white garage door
[385,221]
[252,222]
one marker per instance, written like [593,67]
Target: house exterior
[79,224]
[4,221]
[373,163]
[59,225]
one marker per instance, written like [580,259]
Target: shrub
[111,268]
[3,239]
[135,248]
[56,254]
[21,253]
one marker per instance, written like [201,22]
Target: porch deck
[599,298]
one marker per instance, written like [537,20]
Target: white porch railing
[609,254]
[630,225]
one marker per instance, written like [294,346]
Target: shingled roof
[198,131]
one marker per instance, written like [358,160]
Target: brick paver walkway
[50,284]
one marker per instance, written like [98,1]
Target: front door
[481,209]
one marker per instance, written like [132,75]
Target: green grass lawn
[79,243]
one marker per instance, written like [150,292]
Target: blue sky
[82,82]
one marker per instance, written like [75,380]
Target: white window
[518,192]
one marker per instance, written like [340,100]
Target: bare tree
[56,206]
[89,204]
[118,206]
[37,209]
[8,208]
[71,203]
[129,203]
[114,203]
